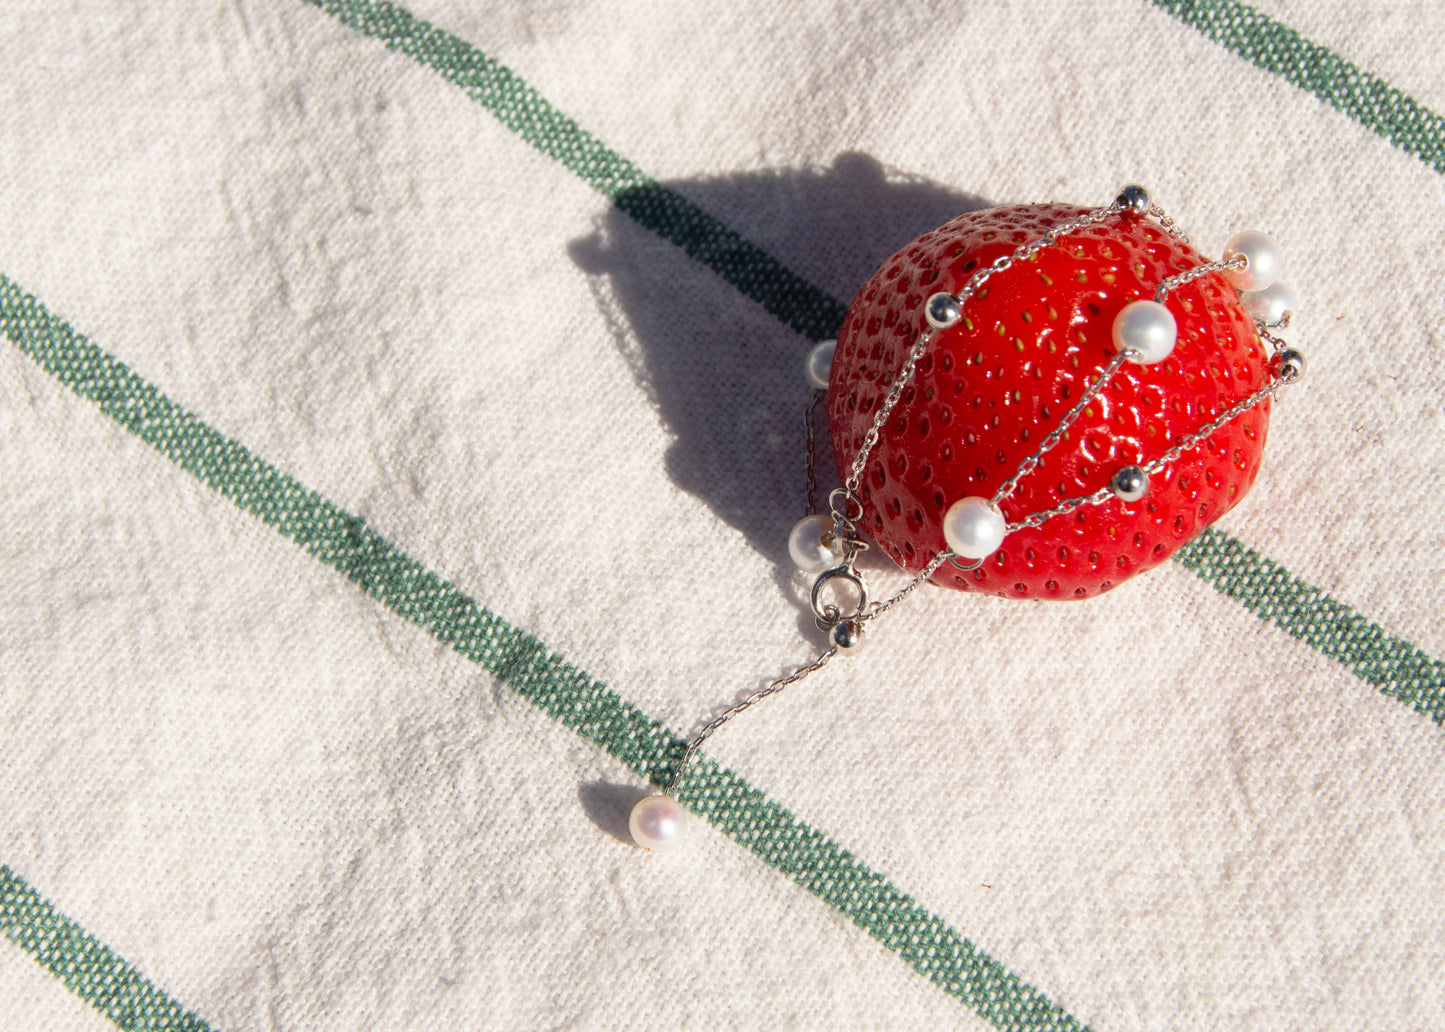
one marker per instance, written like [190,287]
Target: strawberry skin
[990,388]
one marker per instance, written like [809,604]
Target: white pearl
[1148,328]
[973,528]
[1268,306]
[819,365]
[1263,265]
[658,822]
[806,545]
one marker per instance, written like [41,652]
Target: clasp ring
[829,615]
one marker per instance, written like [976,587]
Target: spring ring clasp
[829,615]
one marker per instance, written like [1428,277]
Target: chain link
[1274,341]
[870,438]
[879,608]
[1038,519]
[1167,223]
[811,498]
[1057,434]
[747,704]
[1233,412]
[1188,275]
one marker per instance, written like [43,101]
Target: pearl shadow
[608,805]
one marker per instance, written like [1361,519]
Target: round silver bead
[1289,364]
[847,635]
[942,310]
[1129,484]
[1134,198]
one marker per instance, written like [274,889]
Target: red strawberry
[991,387]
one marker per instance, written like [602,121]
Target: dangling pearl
[658,822]
[973,528]
[1263,262]
[1147,328]
[1268,306]
[819,365]
[806,546]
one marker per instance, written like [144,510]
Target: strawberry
[991,387]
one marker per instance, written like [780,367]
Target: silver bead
[847,635]
[1134,198]
[942,310]
[1129,484]
[1288,364]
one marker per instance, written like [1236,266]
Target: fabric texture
[401,416]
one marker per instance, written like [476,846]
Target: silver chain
[855,471]
[1158,465]
[1239,261]
[811,498]
[1038,519]
[845,503]
[1167,223]
[1233,412]
[879,608]
[1091,392]
[1022,253]
[747,704]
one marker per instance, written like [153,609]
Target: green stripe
[1282,51]
[580,702]
[524,111]
[87,967]
[1265,588]
[1396,667]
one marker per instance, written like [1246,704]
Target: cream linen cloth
[400,417]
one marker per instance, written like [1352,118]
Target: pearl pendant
[807,547]
[973,528]
[658,822]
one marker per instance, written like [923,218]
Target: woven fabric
[400,428]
